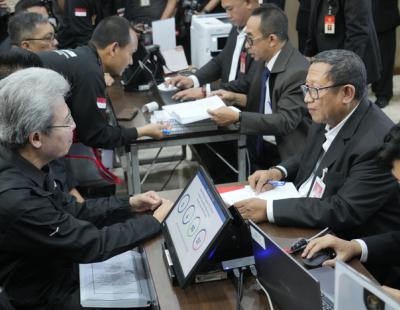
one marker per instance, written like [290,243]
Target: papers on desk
[119,282]
[193,111]
[280,192]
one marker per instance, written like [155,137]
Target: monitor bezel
[182,279]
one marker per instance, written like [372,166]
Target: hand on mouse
[345,250]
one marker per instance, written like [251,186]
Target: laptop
[355,291]
[288,283]
[193,226]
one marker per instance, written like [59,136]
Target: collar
[27,168]
[331,133]
[242,32]
[272,61]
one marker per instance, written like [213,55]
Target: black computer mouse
[319,258]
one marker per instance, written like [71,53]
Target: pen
[275,183]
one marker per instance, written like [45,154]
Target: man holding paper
[341,183]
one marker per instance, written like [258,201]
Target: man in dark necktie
[341,183]
[275,118]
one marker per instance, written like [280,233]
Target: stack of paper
[280,192]
[193,111]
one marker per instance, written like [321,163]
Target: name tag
[144,2]
[318,188]
[329,24]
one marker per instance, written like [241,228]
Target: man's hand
[163,210]
[345,250]
[189,94]
[4,5]
[148,201]
[153,130]
[392,291]
[254,209]
[230,97]
[180,81]
[258,180]
[224,116]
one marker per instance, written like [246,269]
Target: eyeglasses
[69,123]
[48,37]
[314,91]
[250,41]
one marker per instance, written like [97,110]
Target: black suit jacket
[290,120]
[354,31]
[384,248]
[386,15]
[361,198]
[220,66]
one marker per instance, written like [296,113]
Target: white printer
[208,35]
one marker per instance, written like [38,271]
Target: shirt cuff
[195,80]
[283,169]
[270,210]
[364,250]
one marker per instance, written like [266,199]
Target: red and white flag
[101,103]
[81,12]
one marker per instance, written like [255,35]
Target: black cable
[170,175]
[238,272]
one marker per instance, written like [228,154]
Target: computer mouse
[319,258]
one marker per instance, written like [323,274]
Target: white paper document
[175,59]
[280,192]
[119,282]
[193,111]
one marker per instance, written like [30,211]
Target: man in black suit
[275,118]
[386,18]
[345,24]
[382,250]
[337,175]
[229,64]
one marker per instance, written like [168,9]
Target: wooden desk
[122,99]
[221,294]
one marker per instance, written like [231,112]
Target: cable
[151,166]
[238,272]
[271,307]
[170,175]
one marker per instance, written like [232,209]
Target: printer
[208,35]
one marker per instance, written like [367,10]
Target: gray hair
[22,26]
[346,68]
[27,103]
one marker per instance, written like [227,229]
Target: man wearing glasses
[32,31]
[275,118]
[341,184]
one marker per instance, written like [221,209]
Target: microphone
[144,67]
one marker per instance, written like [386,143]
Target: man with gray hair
[44,233]
[341,183]
[32,31]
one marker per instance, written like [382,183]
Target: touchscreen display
[194,222]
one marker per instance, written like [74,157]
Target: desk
[122,99]
[221,294]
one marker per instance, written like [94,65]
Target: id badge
[243,62]
[329,24]
[318,188]
[144,3]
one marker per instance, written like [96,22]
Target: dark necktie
[261,107]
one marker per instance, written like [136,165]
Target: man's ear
[25,45]
[349,92]
[113,48]
[35,139]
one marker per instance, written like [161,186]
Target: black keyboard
[327,304]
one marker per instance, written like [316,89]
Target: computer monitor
[355,291]
[288,283]
[193,226]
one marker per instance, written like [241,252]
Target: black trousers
[387,44]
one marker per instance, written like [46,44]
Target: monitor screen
[195,221]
